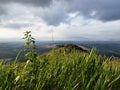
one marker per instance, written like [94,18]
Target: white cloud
[9,34]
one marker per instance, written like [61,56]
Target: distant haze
[81,20]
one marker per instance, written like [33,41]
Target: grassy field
[62,68]
[59,70]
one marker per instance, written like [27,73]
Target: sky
[73,20]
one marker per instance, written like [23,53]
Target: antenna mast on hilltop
[52,38]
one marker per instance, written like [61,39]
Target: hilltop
[65,51]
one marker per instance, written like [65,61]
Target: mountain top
[74,46]
[65,52]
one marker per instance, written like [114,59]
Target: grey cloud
[16,25]
[55,19]
[29,2]
[2,10]
[106,10]
[53,15]
[57,11]
[6,6]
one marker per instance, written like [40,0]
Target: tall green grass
[80,72]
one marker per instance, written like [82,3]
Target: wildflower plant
[30,47]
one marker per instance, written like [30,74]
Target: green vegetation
[62,68]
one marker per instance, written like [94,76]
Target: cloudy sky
[81,20]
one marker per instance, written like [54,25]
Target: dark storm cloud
[10,9]
[29,2]
[5,5]
[105,10]
[58,10]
